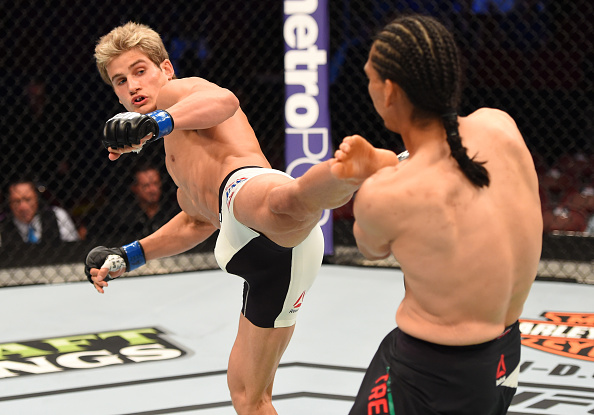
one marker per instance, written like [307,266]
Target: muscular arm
[178,235]
[196,104]
[193,104]
[369,228]
[368,245]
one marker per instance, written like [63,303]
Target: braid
[421,56]
[473,170]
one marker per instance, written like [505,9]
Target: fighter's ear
[390,89]
[393,93]
[167,68]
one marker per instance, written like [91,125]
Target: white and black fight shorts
[276,277]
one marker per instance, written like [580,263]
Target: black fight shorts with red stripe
[414,377]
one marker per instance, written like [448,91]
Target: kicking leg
[252,365]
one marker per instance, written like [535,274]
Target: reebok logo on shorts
[502,378]
[298,303]
[501,368]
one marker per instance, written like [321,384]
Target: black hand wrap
[127,129]
[96,258]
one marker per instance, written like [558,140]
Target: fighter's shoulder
[188,83]
[493,118]
[385,183]
[495,123]
[178,88]
[389,193]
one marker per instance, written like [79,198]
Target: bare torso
[469,255]
[198,161]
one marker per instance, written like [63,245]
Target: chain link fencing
[531,58]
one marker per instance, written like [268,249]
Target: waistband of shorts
[506,332]
[226,179]
[508,329]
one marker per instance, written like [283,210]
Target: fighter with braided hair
[461,215]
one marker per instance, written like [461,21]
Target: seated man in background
[29,222]
[145,208]
[150,213]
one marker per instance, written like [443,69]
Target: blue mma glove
[129,128]
[129,256]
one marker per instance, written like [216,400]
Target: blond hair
[124,38]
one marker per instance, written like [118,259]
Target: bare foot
[356,159]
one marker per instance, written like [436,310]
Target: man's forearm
[178,235]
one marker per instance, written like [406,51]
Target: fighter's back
[469,254]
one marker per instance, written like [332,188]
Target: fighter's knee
[250,405]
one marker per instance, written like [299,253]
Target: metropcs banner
[307,117]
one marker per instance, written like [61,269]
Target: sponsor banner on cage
[85,351]
[307,117]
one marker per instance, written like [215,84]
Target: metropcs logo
[84,351]
[307,115]
[564,334]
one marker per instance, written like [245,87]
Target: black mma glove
[128,128]
[129,256]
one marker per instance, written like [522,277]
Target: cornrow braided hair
[420,55]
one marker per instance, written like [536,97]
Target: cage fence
[532,59]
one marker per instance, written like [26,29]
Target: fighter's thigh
[254,207]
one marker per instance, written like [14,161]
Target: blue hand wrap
[135,255]
[164,121]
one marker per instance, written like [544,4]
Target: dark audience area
[532,59]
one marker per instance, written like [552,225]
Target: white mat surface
[344,317]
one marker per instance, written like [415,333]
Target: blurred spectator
[582,201]
[564,219]
[30,221]
[554,187]
[590,226]
[572,213]
[578,167]
[149,212]
[567,193]
[141,213]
